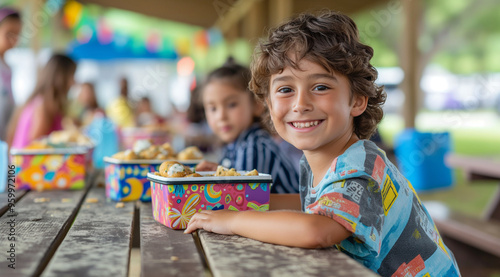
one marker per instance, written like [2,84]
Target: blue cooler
[420,157]
[4,162]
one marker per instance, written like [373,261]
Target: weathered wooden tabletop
[81,233]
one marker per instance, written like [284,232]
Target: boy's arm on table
[285,201]
[290,228]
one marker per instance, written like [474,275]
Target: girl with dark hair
[45,108]
[234,116]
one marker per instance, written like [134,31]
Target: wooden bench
[481,234]
[81,233]
[475,241]
[480,168]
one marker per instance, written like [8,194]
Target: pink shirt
[24,124]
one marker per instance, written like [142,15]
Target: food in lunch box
[38,144]
[169,149]
[252,173]
[60,139]
[126,155]
[68,137]
[222,171]
[141,145]
[190,153]
[144,150]
[175,169]
[194,175]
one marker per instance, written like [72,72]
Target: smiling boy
[315,76]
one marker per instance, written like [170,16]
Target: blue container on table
[420,157]
[4,160]
[105,135]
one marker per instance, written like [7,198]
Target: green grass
[473,133]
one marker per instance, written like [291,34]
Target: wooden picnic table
[81,233]
[474,241]
[480,168]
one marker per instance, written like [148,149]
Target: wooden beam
[232,33]
[279,10]
[411,55]
[344,6]
[234,14]
[255,22]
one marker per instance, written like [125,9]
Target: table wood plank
[167,252]
[99,242]
[239,256]
[4,200]
[38,230]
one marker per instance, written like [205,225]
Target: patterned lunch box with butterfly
[176,200]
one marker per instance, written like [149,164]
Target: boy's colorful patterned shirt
[393,234]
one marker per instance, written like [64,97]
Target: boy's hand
[206,166]
[212,221]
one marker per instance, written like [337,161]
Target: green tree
[460,35]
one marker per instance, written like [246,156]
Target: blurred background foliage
[461,35]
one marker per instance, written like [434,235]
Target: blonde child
[234,115]
[316,78]
[10,28]
[120,110]
[45,108]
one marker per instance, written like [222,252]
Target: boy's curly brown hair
[331,40]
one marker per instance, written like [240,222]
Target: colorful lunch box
[54,168]
[128,181]
[176,200]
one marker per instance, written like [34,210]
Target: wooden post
[35,11]
[233,16]
[279,10]
[411,55]
[255,22]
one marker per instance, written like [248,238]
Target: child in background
[145,116]
[10,28]
[45,108]
[120,110]
[233,115]
[316,78]
[88,108]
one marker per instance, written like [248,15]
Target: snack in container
[126,171]
[176,199]
[190,153]
[157,135]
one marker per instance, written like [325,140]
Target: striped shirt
[255,149]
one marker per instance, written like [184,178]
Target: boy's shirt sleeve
[356,204]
